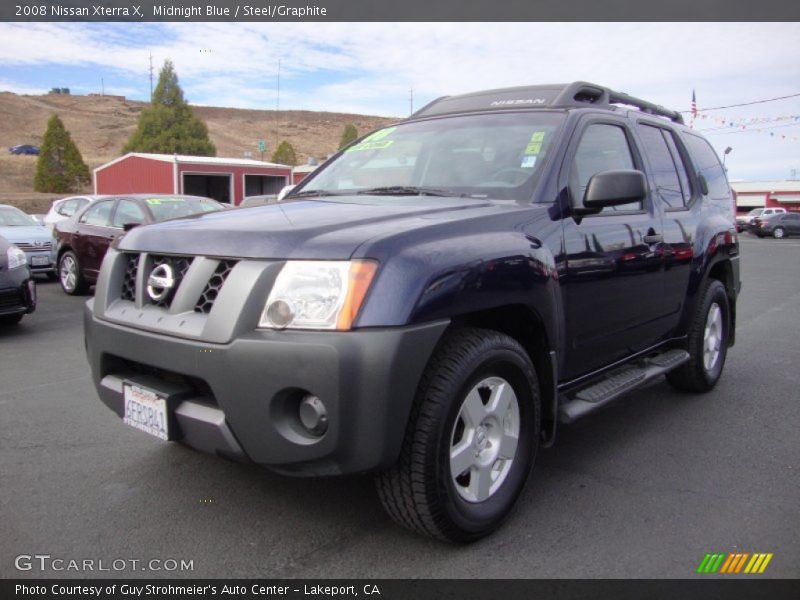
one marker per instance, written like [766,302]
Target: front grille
[214,285]
[10,299]
[180,266]
[129,281]
[34,247]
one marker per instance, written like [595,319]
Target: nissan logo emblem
[160,282]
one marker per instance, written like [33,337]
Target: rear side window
[671,188]
[708,165]
[602,148]
[98,214]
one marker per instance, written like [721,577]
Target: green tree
[60,167]
[285,154]
[349,134]
[169,126]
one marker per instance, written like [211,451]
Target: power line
[744,103]
[753,130]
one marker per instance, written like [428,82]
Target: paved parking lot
[643,489]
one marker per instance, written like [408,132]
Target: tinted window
[708,165]
[662,166]
[98,214]
[602,148]
[791,218]
[680,165]
[128,212]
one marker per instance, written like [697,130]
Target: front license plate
[145,410]
[40,261]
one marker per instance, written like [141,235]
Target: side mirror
[286,189]
[612,188]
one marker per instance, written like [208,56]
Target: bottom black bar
[394,589]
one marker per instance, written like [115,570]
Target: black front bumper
[240,399]
[17,292]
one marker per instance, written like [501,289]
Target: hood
[302,229]
[26,233]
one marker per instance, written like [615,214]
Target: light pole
[724,156]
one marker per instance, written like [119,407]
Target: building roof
[764,187]
[196,160]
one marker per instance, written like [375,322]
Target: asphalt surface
[645,488]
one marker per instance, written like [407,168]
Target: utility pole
[151,77]
[278,99]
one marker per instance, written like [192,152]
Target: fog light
[313,415]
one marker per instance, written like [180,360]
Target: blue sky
[370,67]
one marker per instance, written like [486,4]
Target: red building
[767,194]
[224,179]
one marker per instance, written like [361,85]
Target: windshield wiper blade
[405,190]
[308,193]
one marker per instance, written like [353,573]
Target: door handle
[653,238]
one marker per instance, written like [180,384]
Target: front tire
[778,233]
[708,342]
[69,274]
[471,439]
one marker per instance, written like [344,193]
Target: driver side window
[602,147]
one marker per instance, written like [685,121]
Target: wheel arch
[525,325]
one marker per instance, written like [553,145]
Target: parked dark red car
[82,240]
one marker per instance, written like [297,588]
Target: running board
[619,382]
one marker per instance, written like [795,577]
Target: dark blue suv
[433,301]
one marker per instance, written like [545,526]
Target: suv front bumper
[240,399]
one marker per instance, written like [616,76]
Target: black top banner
[394,10]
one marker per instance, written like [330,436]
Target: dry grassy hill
[100,126]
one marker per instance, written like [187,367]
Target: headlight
[316,294]
[16,257]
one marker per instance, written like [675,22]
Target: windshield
[164,208]
[755,212]
[479,156]
[14,217]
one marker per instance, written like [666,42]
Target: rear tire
[471,439]
[69,274]
[708,342]
[778,233]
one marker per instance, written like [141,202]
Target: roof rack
[569,95]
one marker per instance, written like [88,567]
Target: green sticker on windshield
[533,148]
[538,136]
[378,135]
[370,145]
[153,201]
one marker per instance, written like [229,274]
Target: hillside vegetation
[100,126]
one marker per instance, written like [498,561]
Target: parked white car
[64,208]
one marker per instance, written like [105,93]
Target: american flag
[694,108]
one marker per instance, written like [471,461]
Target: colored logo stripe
[734,563]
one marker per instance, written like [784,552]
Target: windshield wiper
[405,190]
[308,193]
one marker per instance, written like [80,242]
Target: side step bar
[617,383]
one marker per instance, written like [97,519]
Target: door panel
[614,278]
[93,235]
